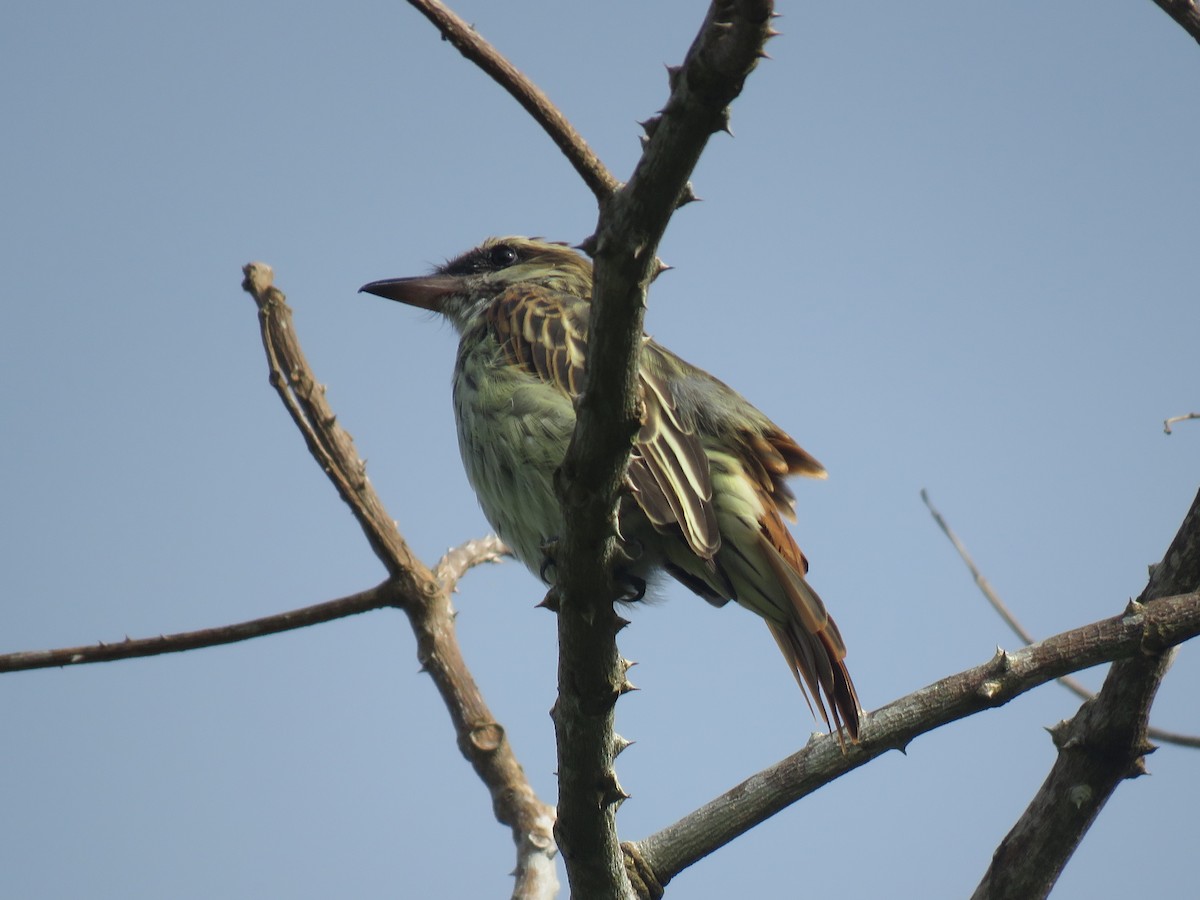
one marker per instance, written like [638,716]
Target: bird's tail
[818,666]
[809,638]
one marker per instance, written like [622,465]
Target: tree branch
[592,674]
[468,42]
[459,560]
[481,739]
[1139,630]
[1072,684]
[378,597]
[1099,748]
[1167,423]
[1185,13]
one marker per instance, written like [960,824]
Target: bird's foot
[633,587]
[549,550]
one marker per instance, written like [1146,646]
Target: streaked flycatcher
[706,482]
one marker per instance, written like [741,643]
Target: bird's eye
[501,256]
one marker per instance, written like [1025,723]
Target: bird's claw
[549,559]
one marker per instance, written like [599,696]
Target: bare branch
[1167,423]
[377,597]
[449,570]
[1140,630]
[459,560]
[469,43]
[329,444]
[591,671]
[1103,745]
[481,739]
[1185,13]
[1072,684]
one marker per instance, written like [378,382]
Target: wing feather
[545,333]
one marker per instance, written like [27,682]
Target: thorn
[674,73]
[627,664]
[650,125]
[627,686]
[620,744]
[989,690]
[772,33]
[1002,662]
[659,268]
[550,601]
[621,623]
[588,245]
[1060,733]
[763,54]
[687,195]
[611,791]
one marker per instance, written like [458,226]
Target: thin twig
[470,44]
[1071,684]
[449,570]
[1167,423]
[378,597]
[459,560]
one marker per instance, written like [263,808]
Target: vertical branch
[632,222]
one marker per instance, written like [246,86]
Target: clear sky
[952,246]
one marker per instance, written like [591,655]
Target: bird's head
[462,288]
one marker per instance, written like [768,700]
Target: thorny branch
[1141,629]
[989,593]
[1104,744]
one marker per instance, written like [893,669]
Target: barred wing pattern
[720,497]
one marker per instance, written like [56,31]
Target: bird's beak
[425,291]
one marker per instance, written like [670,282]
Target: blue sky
[950,247]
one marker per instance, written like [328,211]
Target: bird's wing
[545,333]
[671,476]
[759,563]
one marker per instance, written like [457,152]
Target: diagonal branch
[1104,744]
[469,43]
[1072,684]
[1186,14]
[481,739]
[1140,630]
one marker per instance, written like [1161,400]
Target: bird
[705,492]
